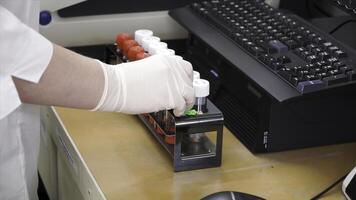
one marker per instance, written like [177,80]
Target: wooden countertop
[128,163]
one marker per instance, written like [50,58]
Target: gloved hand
[149,85]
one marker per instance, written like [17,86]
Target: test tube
[168,52]
[146,41]
[201,89]
[168,125]
[196,75]
[127,45]
[133,51]
[142,33]
[154,47]
[179,57]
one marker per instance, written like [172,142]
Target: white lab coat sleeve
[24,54]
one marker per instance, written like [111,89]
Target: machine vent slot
[242,123]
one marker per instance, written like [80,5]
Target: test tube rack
[185,153]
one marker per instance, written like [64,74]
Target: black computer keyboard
[306,58]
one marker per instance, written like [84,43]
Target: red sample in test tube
[170,139]
[133,51]
[127,45]
[120,38]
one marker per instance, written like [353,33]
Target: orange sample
[133,51]
[127,45]
[120,38]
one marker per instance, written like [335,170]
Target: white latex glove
[149,85]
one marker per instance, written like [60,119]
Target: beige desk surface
[128,163]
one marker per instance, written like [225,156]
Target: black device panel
[266,117]
[102,7]
[262,123]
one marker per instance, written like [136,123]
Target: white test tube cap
[154,47]
[142,33]
[179,57]
[146,41]
[201,87]
[168,52]
[196,75]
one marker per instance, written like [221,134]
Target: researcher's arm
[33,70]
[70,80]
[149,85]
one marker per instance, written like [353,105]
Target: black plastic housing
[263,111]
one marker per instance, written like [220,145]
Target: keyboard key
[306,54]
[256,51]
[284,38]
[310,67]
[332,80]
[284,59]
[334,72]
[267,47]
[332,60]
[321,75]
[332,49]
[276,66]
[297,69]
[312,37]
[286,73]
[351,75]
[303,73]
[310,47]
[320,64]
[319,40]
[244,41]
[310,86]
[292,44]
[345,69]
[339,64]
[300,39]
[270,60]
[316,51]
[312,59]
[316,70]
[291,34]
[324,55]
[326,45]
[311,77]
[300,50]
[296,80]
[301,29]
[327,68]
[340,54]
[279,46]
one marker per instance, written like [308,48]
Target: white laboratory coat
[24,54]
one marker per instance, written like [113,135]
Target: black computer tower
[262,122]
